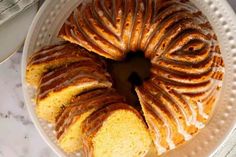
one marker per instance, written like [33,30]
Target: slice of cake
[169,118]
[68,124]
[53,57]
[117,130]
[59,86]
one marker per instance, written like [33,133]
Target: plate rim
[24,88]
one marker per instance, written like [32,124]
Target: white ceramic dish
[52,15]
[14,31]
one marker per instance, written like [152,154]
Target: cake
[176,99]
[69,122]
[59,86]
[186,65]
[52,57]
[114,131]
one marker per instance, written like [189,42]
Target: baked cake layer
[114,131]
[59,86]
[68,124]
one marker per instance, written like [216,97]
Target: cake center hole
[135,79]
[128,74]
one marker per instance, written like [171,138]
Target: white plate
[51,17]
[14,31]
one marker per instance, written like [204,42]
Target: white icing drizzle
[201,110]
[142,6]
[71,80]
[169,132]
[181,130]
[218,69]
[195,122]
[55,48]
[166,124]
[186,135]
[79,68]
[66,121]
[53,79]
[220,84]
[187,117]
[199,125]
[57,54]
[170,143]
[216,54]
[100,13]
[159,147]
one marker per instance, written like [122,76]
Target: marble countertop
[18,136]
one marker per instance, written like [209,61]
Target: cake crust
[55,56]
[59,86]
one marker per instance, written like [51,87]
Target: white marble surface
[18,136]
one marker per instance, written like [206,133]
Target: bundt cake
[57,87]
[52,57]
[68,124]
[175,100]
[114,131]
[187,68]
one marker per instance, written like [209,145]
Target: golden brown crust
[79,31]
[74,74]
[120,26]
[183,107]
[55,56]
[63,51]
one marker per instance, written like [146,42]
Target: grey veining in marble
[18,136]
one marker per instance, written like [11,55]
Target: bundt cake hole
[128,74]
[135,79]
